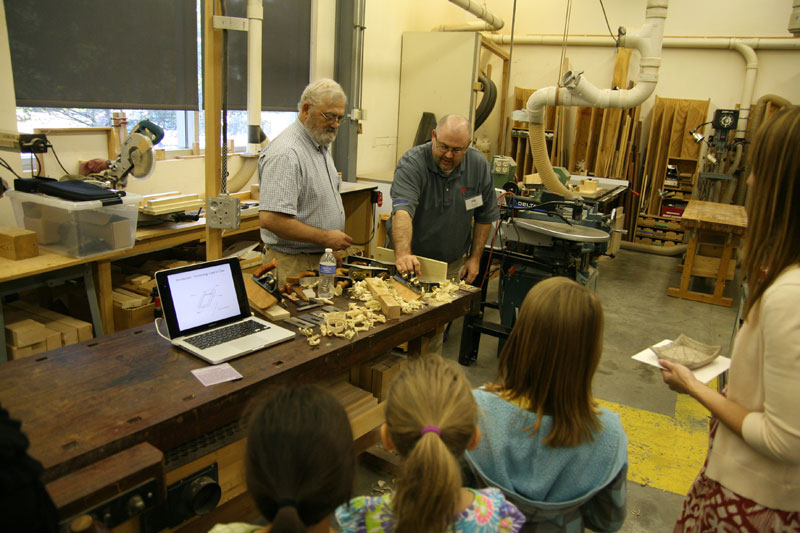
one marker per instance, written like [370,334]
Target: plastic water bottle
[327,269]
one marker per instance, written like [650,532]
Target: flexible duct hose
[543,166]
[487,102]
[757,113]
[242,177]
[652,249]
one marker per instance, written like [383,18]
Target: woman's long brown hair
[549,360]
[772,239]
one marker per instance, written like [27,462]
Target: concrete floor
[667,434]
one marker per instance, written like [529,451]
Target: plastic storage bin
[78,229]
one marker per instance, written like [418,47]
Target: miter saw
[135,156]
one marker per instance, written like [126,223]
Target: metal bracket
[230,23]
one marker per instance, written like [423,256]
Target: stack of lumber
[31,330]
[363,409]
[376,375]
[672,120]
[133,302]
[169,202]
[606,139]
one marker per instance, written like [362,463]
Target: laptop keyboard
[228,333]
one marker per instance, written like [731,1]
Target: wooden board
[431,269]
[406,293]
[257,295]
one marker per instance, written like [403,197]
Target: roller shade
[125,54]
[286,52]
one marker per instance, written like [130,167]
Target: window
[182,124]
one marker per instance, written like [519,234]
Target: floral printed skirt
[711,507]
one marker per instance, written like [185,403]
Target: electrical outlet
[223,212]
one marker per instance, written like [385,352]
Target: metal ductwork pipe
[491,22]
[577,91]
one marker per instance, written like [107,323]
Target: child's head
[773,219]
[551,355]
[300,460]
[431,419]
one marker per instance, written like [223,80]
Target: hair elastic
[427,429]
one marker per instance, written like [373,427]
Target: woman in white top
[751,479]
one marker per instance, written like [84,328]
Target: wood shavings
[306,331]
[327,301]
[314,340]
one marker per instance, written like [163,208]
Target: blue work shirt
[438,203]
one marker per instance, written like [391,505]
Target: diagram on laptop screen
[203,296]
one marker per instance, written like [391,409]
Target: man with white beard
[300,209]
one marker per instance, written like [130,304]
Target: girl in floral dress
[431,420]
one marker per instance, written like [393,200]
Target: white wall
[717,75]
[8,117]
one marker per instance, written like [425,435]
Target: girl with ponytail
[299,462]
[431,419]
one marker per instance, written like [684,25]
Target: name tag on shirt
[475,201]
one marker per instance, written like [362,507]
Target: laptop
[206,311]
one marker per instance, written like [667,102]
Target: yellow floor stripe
[665,452]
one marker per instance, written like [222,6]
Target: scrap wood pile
[382,301]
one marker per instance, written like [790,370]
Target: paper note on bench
[211,375]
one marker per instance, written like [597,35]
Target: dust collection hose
[487,102]
[542,159]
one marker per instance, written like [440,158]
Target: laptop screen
[202,296]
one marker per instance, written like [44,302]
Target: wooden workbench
[356,199]
[704,221]
[105,400]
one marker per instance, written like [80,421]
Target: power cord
[6,166]
[607,24]
[371,236]
[155,322]
[53,148]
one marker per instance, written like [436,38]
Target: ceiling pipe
[574,90]
[491,22]
[255,15]
[744,46]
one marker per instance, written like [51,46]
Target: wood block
[276,312]
[18,243]
[128,299]
[406,293]
[258,296]
[52,339]
[25,332]
[389,305]
[83,328]
[47,231]
[432,270]
[69,334]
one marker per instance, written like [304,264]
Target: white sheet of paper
[704,373]
[211,375]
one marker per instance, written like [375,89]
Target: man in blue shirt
[443,202]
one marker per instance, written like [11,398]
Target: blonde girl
[431,419]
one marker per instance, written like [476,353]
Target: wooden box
[133,317]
